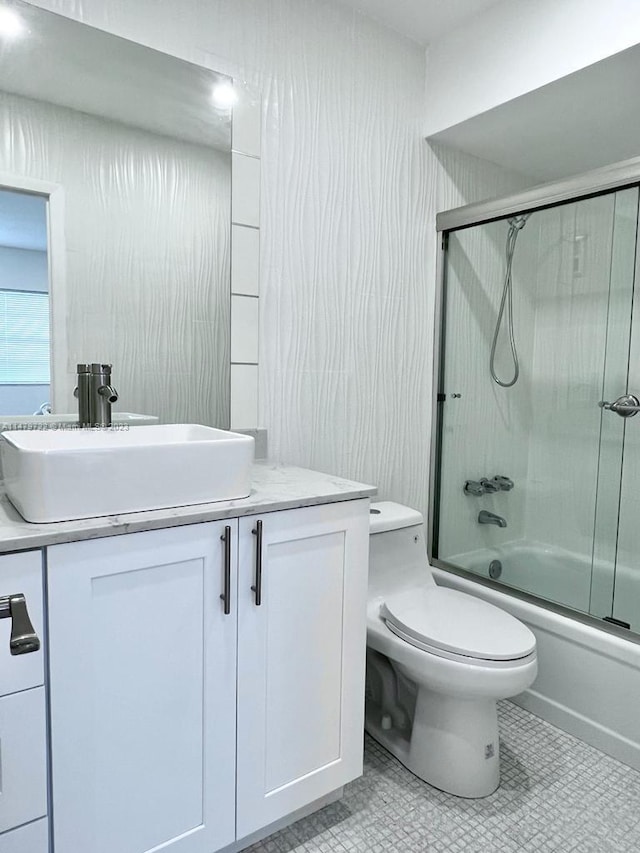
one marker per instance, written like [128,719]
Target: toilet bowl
[437,662]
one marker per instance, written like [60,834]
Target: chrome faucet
[103,394]
[485,517]
[487,486]
[81,393]
[95,394]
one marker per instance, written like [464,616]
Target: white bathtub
[589,680]
[543,570]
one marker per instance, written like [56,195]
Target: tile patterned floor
[558,795]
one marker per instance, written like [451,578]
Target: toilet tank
[397,548]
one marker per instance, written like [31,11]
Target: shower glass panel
[553,534]
[626,593]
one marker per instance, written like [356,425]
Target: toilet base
[453,743]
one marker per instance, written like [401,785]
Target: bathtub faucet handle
[474,488]
[505,484]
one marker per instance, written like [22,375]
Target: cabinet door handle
[257,587]
[23,636]
[226,595]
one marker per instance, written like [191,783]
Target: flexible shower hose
[516,224]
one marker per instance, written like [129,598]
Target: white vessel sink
[60,475]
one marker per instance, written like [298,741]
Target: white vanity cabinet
[178,726]
[23,747]
[300,657]
[143,692]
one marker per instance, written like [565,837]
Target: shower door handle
[626,406]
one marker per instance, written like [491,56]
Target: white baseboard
[585,729]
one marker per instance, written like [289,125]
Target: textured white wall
[463,179]
[147,286]
[349,192]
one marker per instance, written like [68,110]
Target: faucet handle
[474,488]
[505,484]
[487,486]
[23,636]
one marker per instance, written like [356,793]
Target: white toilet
[437,662]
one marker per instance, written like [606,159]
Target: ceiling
[420,20]
[23,221]
[72,65]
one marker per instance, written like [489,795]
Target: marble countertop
[273,487]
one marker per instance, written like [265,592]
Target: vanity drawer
[21,573]
[23,759]
[33,838]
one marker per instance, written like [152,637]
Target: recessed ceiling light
[10,23]
[224,95]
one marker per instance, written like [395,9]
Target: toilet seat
[455,625]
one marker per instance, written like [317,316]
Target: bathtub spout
[485,517]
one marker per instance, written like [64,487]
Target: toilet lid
[459,623]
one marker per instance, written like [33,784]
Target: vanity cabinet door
[23,729]
[21,573]
[23,758]
[301,657]
[143,692]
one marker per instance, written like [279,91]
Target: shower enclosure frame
[617,176]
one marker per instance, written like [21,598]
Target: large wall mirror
[115,201]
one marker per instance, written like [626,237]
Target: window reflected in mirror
[24,304]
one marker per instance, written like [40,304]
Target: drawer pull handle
[226,595]
[23,636]
[257,587]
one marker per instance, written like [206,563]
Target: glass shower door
[573,286]
[622,292]
[626,584]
